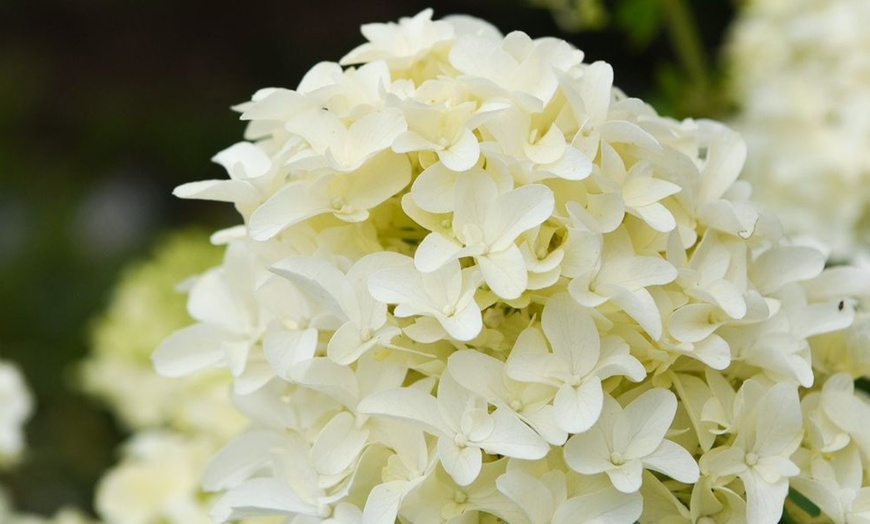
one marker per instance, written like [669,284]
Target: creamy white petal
[650,416]
[461,463]
[338,445]
[764,502]
[577,408]
[674,461]
[627,478]
[463,154]
[244,160]
[512,438]
[505,272]
[260,497]
[407,404]
[572,334]
[187,350]
[515,212]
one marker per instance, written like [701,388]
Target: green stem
[686,41]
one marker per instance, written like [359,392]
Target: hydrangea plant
[476,282]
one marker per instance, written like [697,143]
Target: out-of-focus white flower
[16,405]
[476,281]
[157,480]
[801,74]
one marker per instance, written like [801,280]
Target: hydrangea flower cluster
[476,282]
[801,72]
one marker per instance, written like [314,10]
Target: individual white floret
[768,431]
[486,225]
[579,361]
[625,441]
[463,425]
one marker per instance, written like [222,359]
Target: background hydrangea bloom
[800,72]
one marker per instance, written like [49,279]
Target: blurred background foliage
[105,106]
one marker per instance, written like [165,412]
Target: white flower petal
[433,189]
[285,349]
[259,497]
[512,438]
[691,323]
[674,461]
[435,251]
[515,212]
[639,305]
[603,507]
[461,463]
[290,205]
[572,334]
[780,421]
[407,404]
[650,416]
[365,137]
[778,266]
[338,445]
[530,494]
[577,408]
[377,180]
[236,191]
[656,216]
[764,502]
[628,477]
[588,452]
[187,350]
[479,373]
[382,504]
[462,155]
[244,160]
[504,272]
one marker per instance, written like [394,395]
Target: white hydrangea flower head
[16,406]
[799,71]
[475,282]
